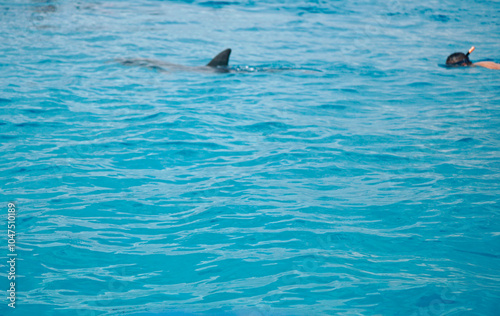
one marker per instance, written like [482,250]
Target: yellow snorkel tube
[470,51]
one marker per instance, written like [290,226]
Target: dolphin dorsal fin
[222,59]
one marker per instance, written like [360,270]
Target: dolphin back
[221,60]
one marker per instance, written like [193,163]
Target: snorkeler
[462,60]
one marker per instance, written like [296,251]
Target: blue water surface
[338,170]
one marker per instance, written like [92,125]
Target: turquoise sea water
[340,171]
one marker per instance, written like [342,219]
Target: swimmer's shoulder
[488,64]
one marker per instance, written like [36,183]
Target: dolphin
[218,64]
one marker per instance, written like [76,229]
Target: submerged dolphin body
[218,64]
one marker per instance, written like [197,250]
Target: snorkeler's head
[458,59]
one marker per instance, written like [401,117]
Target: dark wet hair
[457,59]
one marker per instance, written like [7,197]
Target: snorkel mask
[459,59]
